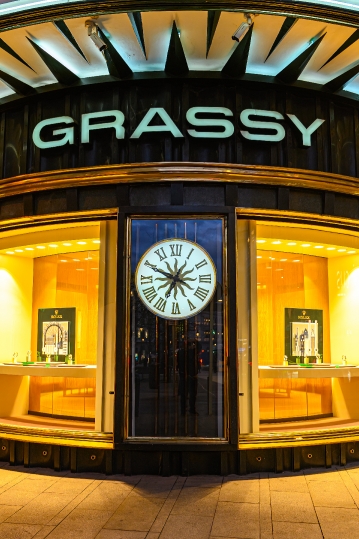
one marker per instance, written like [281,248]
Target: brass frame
[178,171]
[311,436]
[126,407]
[74,438]
[88,8]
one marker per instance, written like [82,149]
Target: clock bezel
[208,300]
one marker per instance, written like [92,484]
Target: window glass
[50,292]
[177,369]
[308,338]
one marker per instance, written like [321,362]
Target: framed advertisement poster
[56,333]
[303,334]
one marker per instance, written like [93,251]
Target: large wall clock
[175,279]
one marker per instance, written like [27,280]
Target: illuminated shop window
[177,373]
[52,325]
[308,339]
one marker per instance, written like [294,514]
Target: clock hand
[155,268]
[173,284]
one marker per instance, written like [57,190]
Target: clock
[175,279]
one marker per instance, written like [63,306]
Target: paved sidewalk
[41,504]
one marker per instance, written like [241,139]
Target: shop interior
[49,289]
[308,334]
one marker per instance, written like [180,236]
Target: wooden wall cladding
[333,149]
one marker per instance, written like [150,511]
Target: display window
[306,338]
[176,338]
[53,322]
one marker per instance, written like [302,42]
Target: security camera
[242,29]
[92,32]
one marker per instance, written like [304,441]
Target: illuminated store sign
[218,127]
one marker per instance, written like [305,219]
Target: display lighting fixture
[296,260]
[276,242]
[283,259]
[341,250]
[40,246]
[92,32]
[292,243]
[96,241]
[305,244]
[259,257]
[351,252]
[81,243]
[63,260]
[9,252]
[80,269]
[67,244]
[318,247]
[76,260]
[330,248]
[243,28]
[29,249]
[19,250]
[53,245]
[261,241]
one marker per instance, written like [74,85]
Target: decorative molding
[178,171]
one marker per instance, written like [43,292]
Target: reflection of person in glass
[187,361]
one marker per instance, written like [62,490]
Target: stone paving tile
[18,531]
[135,513]
[81,524]
[73,504]
[204,481]
[69,484]
[334,494]
[7,510]
[187,527]
[17,497]
[319,474]
[196,501]
[106,496]
[293,530]
[236,520]
[122,534]
[240,491]
[289,483]
[44,532]
[42,508]
[338,522]
[265,521]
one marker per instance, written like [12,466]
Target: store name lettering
[266,124]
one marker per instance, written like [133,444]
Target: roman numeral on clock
[191,306]
[201,293]
[176,249]
[160,305]
[161,253]
[146,279]
[175,308]
[149,293]
[191,251]
[201,264]
[205,278]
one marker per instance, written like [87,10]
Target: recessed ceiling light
[63,260]
[9,252]
[259,257]
[291,243]
[277,242]
[279,269]
[305,244]
[98,241]
[258,241]
[53,245]
[29,249]
[330,248]
[351,252]
[67,244]
[88,258]
[80,269]
[94,268]
[283,260]
[341,250]
[19,250]
[318,247]
[40,247]
[296,260]
[76,259]
[271,258]
[81,243]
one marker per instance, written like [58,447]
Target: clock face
[175,279]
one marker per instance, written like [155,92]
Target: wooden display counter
[310,371]
[72,371]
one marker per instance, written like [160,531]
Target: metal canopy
[287,50]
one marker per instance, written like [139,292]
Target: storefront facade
[179,238]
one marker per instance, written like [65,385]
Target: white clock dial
[175,279]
